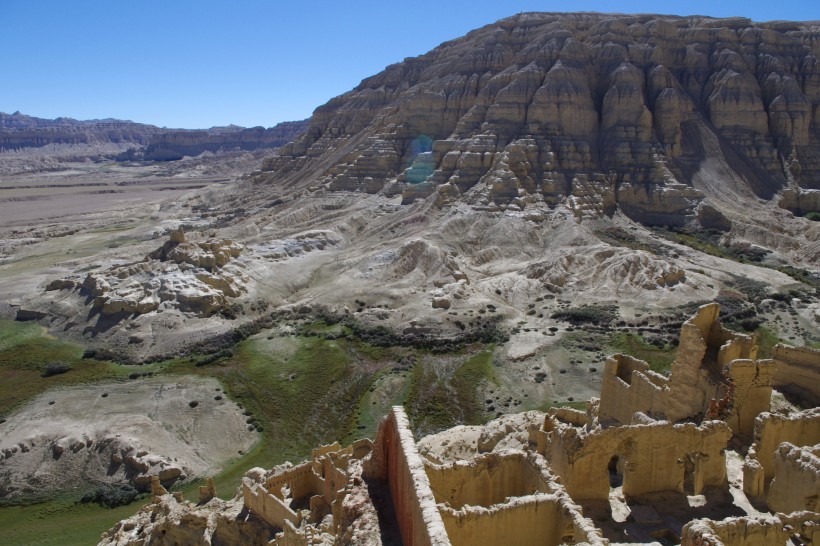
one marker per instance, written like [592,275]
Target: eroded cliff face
[646,113]
[137,141]
[18,131]
[175,144]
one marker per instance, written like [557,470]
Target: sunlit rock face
[602,112]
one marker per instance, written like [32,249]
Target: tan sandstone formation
[192,277]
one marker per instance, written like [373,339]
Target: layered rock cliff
[21,131]
[643,113]
[139,141]
[173,145]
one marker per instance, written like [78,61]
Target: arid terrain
[470,234]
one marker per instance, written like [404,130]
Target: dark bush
[111,496]
[56,368]
[588,314]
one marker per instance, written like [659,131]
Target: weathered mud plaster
[797,372]
[651,457]
[772,430]
[715,375]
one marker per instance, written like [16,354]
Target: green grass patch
[659,358]
[301,392]
[59,522]
[766,340]
[388,388]
[26,350]
[545,407]
[442,395]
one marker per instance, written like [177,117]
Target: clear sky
[199,63]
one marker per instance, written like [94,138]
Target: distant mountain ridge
[143,141]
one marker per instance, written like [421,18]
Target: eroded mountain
[540,163]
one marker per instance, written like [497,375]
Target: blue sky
[183,63]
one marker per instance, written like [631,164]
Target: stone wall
[507,498]
[486,479]
[751,395]
[520,522]
[798,372]
[266,506]
[704,350]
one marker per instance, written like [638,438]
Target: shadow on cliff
[701,141]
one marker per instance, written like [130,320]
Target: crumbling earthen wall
[705,348]
[486,479]
[318,486]
[798,371]
[266,506]
[396,460]
[654,457]
[750,395]
[796,483]
[714,375]
[537,519]
[772,429]
[507,498]
[752,530]
[629,386]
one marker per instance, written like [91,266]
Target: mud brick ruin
[655,459]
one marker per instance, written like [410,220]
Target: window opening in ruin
[689,474]
[616,475]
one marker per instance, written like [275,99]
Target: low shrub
[56,368]
[111,496]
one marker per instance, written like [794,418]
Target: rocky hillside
[665,118]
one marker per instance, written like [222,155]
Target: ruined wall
[771,430]
[629,386]
[266,506]
[752,530]
[751,394]
[486,479]
[301,480]
[796,483]
[396,460]
[798,371]
[705,348]
[653,457]
[699,385]
[508,498]
[522,522]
